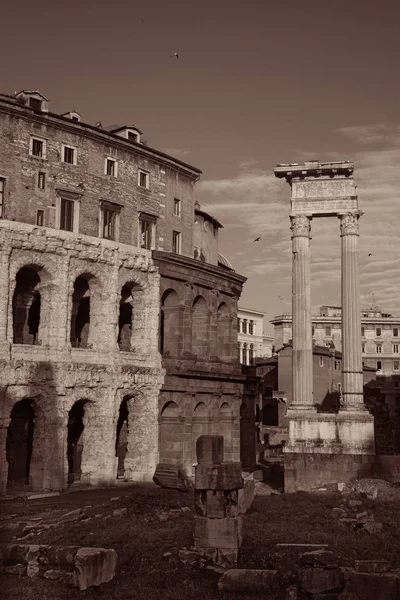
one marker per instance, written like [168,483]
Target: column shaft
[351,316]
[301,314]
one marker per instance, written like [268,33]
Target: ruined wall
[203,391]
[75,393]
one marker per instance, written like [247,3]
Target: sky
[257,83]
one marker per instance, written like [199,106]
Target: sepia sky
[257,83]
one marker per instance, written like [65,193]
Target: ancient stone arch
[171,434]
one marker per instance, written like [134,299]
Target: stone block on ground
[246,496]
[94,566]
[316,580]
[218,533]
[226,476]
[372,586]
[320,558]
[171,477]
[372,566]
[247,580]
[210,449]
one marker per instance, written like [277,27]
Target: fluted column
[301,314]
[351,317]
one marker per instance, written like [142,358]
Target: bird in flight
[370,254]
[257,239]
[175,54]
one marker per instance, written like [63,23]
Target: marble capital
[349,223]
[300,226]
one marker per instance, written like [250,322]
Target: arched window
[26,307]
[80,317]
[121,441]
[171,434]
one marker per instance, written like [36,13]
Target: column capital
[300,225]
[349,222]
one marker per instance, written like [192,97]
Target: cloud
[254,203]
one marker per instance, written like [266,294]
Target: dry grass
[141,539]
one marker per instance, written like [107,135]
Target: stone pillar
[301,309]
[351,318]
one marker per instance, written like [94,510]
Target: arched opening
[170,324]
[75,441]
[121,442]
[200,328]
[125,319]
[26,307]
[19,443]
[201,425]
[80,316]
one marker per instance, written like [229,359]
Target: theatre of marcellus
[118,317]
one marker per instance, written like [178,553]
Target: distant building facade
[252,342]
[380,335]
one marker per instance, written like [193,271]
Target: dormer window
[34,99]
[73,115]
[35,103]
[130,133]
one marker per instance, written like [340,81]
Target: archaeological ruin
[324,447]
[117,314]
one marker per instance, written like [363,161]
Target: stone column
[351,317]
[301,314]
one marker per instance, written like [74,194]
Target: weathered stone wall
[204,388]
[53,375]
[87,179]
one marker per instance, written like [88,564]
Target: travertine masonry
[63,404]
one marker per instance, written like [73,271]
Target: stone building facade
[252,341]
[97,234]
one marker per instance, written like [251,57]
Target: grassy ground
[141,539]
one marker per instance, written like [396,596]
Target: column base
[325,449]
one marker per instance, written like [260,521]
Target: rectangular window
[244,326]
[2,190]
[37,147]
[41,180]
[395,348]
[362,331]
[146,231]
[378,332]
[133,137]
[363,347]
[379,348]
[251,327]
[379,365]
[176,242]
[177,207]
[35,104]
[69,155]
[395,332]
[67,214]
[321,361]
[109,220]
[143,179]
[396,365]
[111,167]
[312,330]
[40,217]
[328,331]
